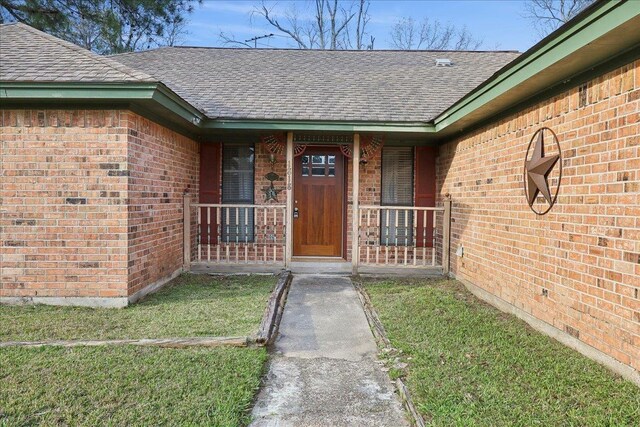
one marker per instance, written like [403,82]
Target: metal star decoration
[270,192]
[538,169]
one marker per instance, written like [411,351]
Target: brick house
[118,173]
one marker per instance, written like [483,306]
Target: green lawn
[472,365]
[190,306]
[128,386]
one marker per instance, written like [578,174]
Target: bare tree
[332,24]
[408,34]
[230,40]
[176,32]
[548,15]
[362,19]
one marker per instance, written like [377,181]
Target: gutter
[144,93]
[590,25]
[587,27]
[311,126]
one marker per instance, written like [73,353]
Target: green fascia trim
[97,92]
[605,17]
[69,91]
[157,92]
[310,126]
[572,82]
[168,99]
[609,16]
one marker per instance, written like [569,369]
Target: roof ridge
[115,65]
[315,50]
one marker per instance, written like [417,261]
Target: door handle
[296,213]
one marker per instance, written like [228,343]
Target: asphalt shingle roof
[29,55]
[285,84]
[291,84]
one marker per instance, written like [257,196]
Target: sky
[499,23]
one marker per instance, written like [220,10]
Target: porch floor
[316,266]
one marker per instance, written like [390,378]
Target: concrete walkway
[324,370]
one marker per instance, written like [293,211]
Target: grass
[470,364]
[190,306]
[128,385]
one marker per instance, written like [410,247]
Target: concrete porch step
[327,266]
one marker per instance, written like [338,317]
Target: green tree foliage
[104,26]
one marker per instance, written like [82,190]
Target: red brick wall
[369,194]
[266,231]
[163,165]
[63,225]
[92,202]
[263,166]
[578,267]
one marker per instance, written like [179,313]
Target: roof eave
[557,58]
[560,56]
[153,97]
[319,125]
[159,99]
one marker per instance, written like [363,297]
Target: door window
[319,165]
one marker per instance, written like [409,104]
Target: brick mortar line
[562,286]
[497,258]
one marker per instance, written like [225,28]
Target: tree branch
[230,40]
[266,14]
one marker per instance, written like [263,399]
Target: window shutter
[210,173]
[425,191]
[209,187]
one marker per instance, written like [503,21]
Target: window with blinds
[396,227]
[237,188]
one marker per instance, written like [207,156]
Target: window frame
[232,237]
[408,237]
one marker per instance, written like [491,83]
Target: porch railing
[402,236]
[394,236]
[239,233]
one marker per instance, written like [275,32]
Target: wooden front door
[318,201]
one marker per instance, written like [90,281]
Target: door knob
[296,213]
